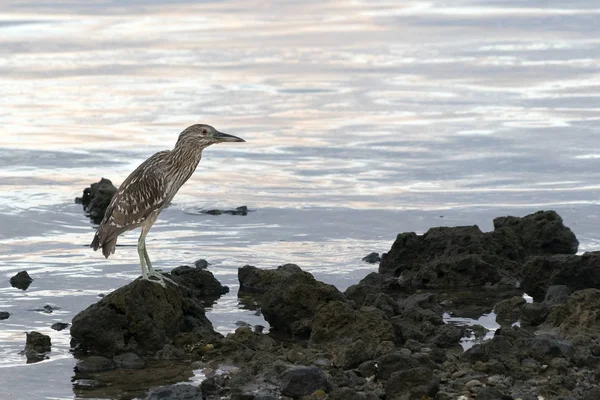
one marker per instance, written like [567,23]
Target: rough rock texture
[22,280]
[199,281]
[94,364]
[575,272]
[37,345]
[350,336]
[302,381]
[464,256]
[372,258]
[373,284]
[96,198]
[59,326]
[414,383]
[578,317]
[175,392]
[142,317]
[290,296]
[242,210]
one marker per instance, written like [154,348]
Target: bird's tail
[108,247]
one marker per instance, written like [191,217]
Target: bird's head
[205,135]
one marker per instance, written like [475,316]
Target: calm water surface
[363,119]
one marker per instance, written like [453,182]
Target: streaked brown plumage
[150,188]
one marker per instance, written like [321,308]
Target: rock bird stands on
[150,188]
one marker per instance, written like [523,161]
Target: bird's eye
[204,131]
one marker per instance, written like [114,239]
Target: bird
[150,188]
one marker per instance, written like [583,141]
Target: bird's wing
[143,192]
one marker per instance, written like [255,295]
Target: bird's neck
[184,160]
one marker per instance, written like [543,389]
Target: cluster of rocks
[383,338]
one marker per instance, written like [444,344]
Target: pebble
[472,383]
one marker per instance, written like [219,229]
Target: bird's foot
[160,278]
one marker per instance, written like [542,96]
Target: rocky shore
[396,334]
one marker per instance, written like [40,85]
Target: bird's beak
[224,137]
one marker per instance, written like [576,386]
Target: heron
[150,188]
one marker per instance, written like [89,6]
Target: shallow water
[362,120]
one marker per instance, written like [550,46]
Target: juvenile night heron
[150,188]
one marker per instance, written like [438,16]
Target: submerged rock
[59,326]
[143,317]
[242,210]
[37,346]
[94,364]
[22,280]
[4,315]
[175,392]
[96,199]
[129,361]
[372,258]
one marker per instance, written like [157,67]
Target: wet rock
[464,256]
[383,302]
[4,315]
[258,280]
[47,309]
[575,272]
[373,284]
[242,210]
[291,302]
[414,383]
[372,258]
[387,364]
[94,364]
[534,314]
[141,317]
[96,199]
[37,345]
[303,381]
[59,326]
[347,394]
[545,347]
[201,263]
[350,336]
[509,310]
[367,369]
[557,294]
[175,392]
[200,282]
[22,280]
[129,361]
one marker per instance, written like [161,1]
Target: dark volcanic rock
[540,233]
[258,280]
[201,282]
[292,299]
[94,364]
[36,346]
[201,263]
[414,383]
[464,256]
[242,210]
[302,381]
[22,280]
[534,313]
[557,294]
[350,336]
[509,310]
[129,361]
[373,284]
[59,326]
[96,199]
[579,316]
[141,317]
[4,315]
[575,272]
[175,392]
[372,258]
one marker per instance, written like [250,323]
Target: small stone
[259,328]
[59,326]
[180,392]
[22,280]
[472,383]
[4,315]
[459,374]
[372,258]
[201,263]
[94,364]
[129,361]
[367,369]
[322,363]
[302,381]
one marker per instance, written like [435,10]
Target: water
[363,119]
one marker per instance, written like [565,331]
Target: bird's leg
[154,273]
[147,270]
